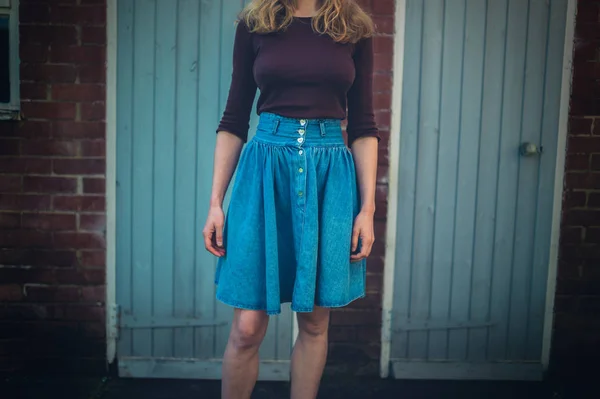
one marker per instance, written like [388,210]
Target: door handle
[530,149]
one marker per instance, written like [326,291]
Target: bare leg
[310,353]
[240,361]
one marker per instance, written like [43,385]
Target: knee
[248,330]
[314,325]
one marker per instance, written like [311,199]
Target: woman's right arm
[227,153]
[232,134]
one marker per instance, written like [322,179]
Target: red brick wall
[355,331]
[576,340]
[52,193]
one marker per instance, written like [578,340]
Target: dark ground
[363,388]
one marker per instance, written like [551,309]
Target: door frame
[393,181]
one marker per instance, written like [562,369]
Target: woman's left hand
[363,229]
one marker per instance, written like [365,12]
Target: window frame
[10,110]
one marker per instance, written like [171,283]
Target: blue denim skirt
[288,227]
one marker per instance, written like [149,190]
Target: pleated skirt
[288,228]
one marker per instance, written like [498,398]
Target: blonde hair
[343,20]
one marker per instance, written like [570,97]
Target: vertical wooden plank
[185,171]
[164,171]
[549,137]
[427,151]
[468,158]
[124,150]
[508,176]
[487,195]
[208,110]
[533,93]
[451,85]
[142,173]
[406,175]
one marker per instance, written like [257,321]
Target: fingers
[355,235]
[209,243]
[219,235]
[365,250]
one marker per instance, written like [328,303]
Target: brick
[9,221]
[79,240]
[382,100]
[93,329]
[383,7]
[93,73]
[48,110]
[11,184]
[76,276]
[382,82]
[49,184]
[33,13]
[574,199]
[368,334]
[50,147]
[38,258]
[24,202]
[77,15]
[93,258]
[78,54]
[93,185]
[78,129]
[33,53]
[381,197]
[34,91]
[93,148]
[25,165]
[583,180]
[374,282]
[383,44]
[583,145]
[88,203]
[592,235]
[578,162]
[384,24]
[11,293]
[383,118]
[571,235]
[25,238]
[594,200]
[595,163]
[93,35]
[44,293]
[342,334]
[348,317]
[49,73]
[35,129]
[78,92]
[92,222]
[49,221]
[93,294]
[590,305]
[48,34]
[93,111]
[79,166]
[596,129]
[580,126]
[10,147]
[383,61]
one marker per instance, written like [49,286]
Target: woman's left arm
[363,138]
[364,151]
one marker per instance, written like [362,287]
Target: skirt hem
[239,305]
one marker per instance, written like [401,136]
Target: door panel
[474,215]
[173,72]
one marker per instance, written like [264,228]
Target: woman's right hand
[213,231]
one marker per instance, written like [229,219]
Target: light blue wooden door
[173,72]
[474,215]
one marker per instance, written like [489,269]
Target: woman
[300,221]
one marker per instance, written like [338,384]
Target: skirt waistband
[279,130]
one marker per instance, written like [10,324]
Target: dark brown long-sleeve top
[301,74]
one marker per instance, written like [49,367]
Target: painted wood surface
[474,216]
[173,74]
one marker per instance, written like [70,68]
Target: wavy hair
[343,20]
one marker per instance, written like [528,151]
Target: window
[9,59]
